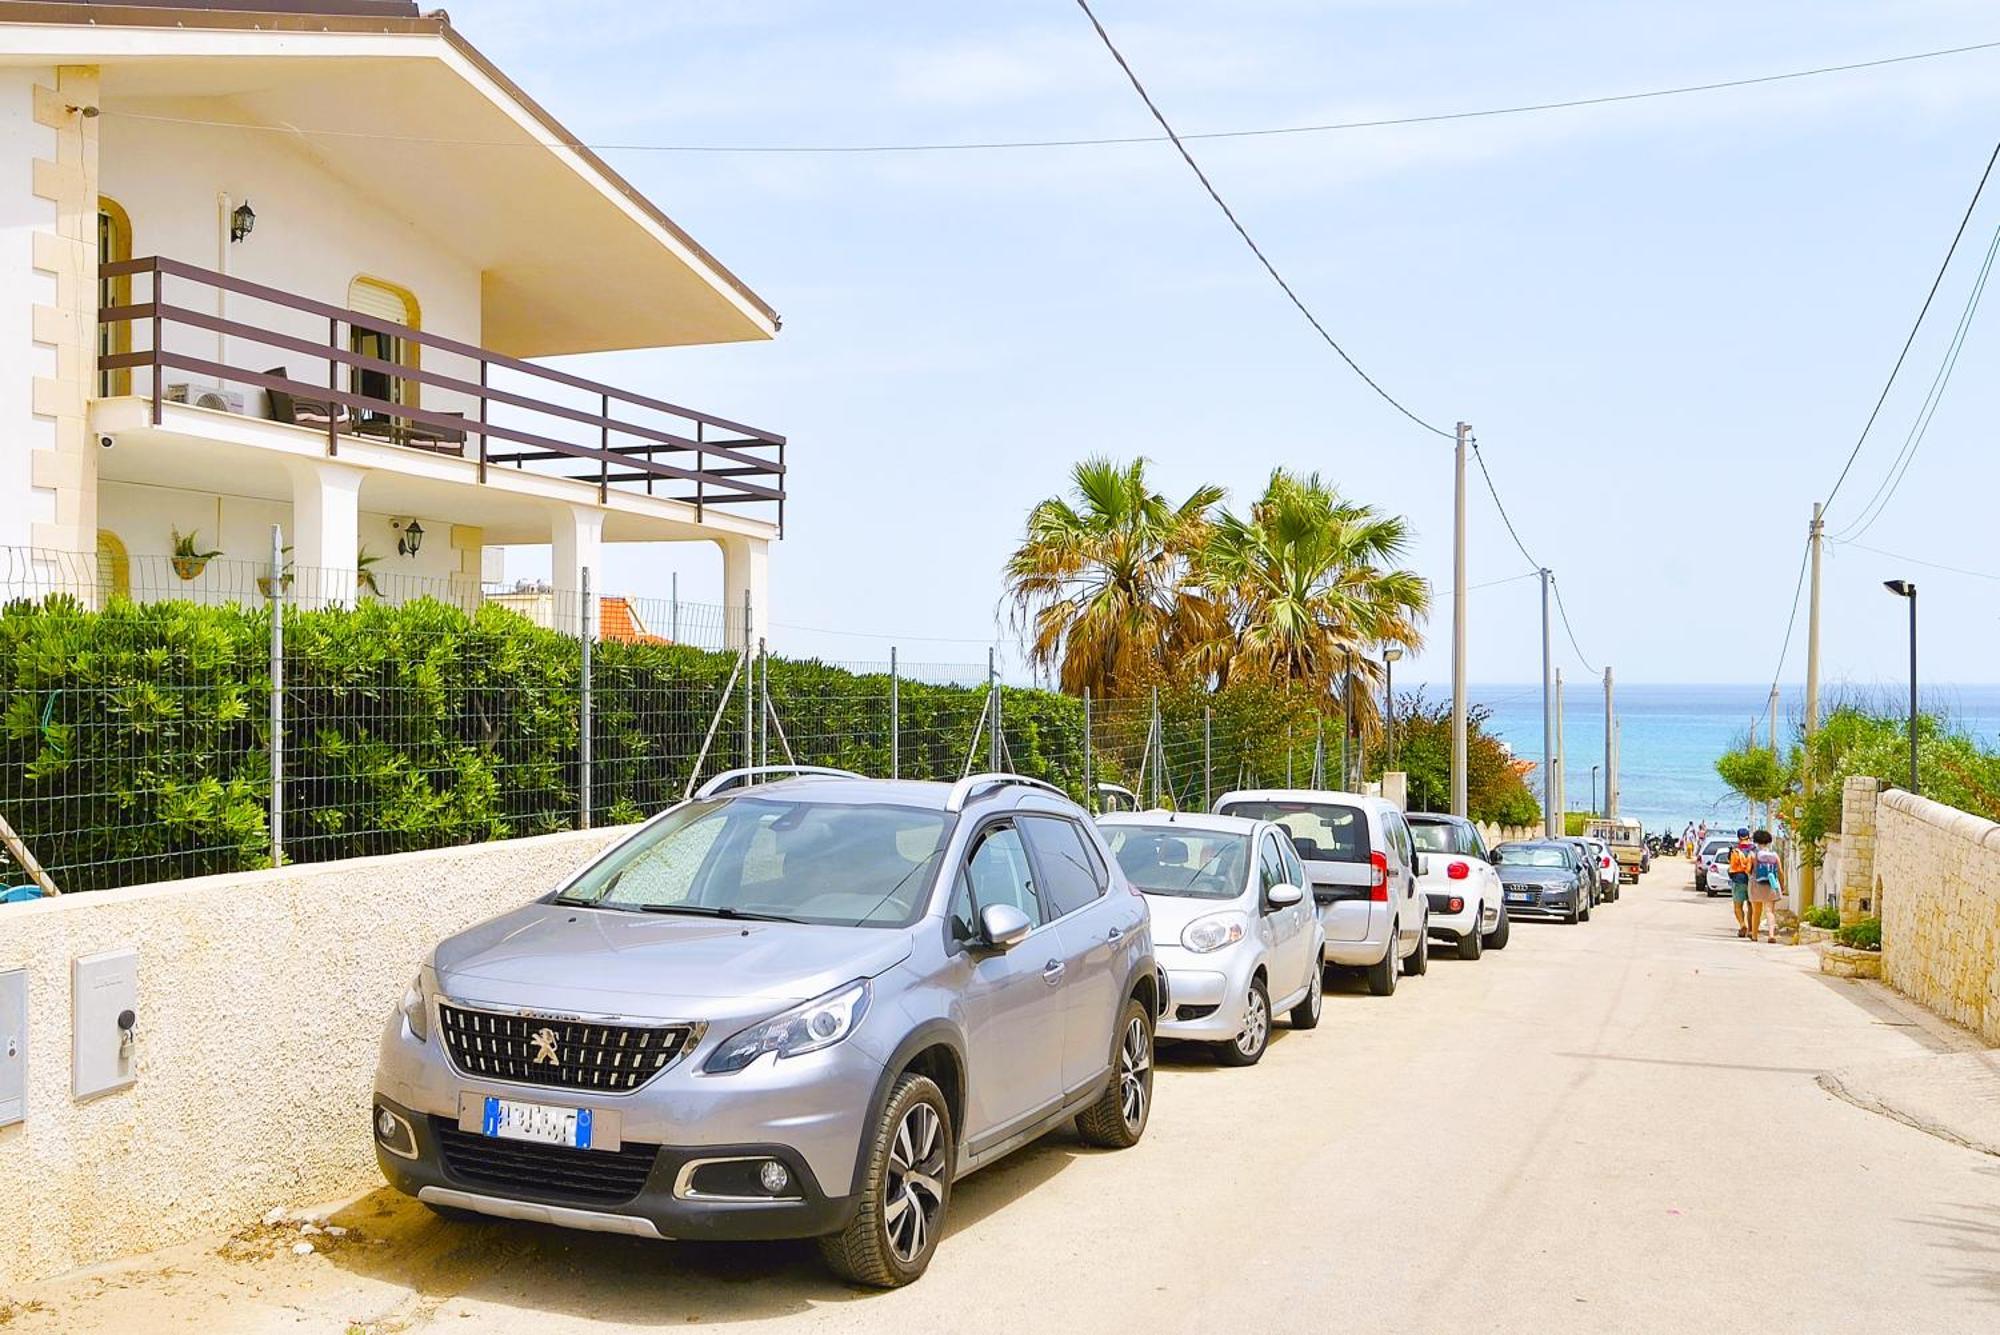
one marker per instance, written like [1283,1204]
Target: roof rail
[962,791]
[739,778]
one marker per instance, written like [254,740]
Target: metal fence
[168,727]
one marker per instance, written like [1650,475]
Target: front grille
[564,1054]
[1533,893]
[551,1172]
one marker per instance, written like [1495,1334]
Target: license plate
[1517,899]
[508,1119]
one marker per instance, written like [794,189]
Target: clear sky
[1666,320]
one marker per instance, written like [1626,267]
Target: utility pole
[1562,762]
[1548,725]
[1808,889]
[1458,625]
[1610,750]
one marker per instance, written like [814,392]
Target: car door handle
[1052,972]
[1115,935]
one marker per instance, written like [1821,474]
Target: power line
[1387,122]
[1581,656]
[1793,620]
[1494,492]
[1241,231]
[1885,491]
[1924,310]
[1917,561]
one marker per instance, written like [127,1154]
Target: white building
[285,262]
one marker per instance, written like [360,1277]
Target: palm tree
[1101,580]
[1310,592]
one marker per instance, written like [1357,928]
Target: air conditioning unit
[213,397]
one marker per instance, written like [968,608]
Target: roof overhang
[406,113]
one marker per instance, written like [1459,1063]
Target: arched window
[392,305]
[114,242]
[114,568]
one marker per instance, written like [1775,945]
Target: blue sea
[1671,736]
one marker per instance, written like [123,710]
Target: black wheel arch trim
[936,1033]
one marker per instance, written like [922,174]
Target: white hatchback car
[1461,884]
[1364,867]
[1233,925]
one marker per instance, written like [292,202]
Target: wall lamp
[412,539]
[242,221]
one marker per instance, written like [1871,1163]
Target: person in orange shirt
[1742,861]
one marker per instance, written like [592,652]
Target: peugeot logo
[544,1040]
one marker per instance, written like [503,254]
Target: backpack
[1741,861]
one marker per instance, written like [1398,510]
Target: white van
[1363,865]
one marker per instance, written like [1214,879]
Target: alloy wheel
[915,1193]
[1256,1025]
[1135,1074]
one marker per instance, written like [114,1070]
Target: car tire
[1497,938]
[1306,1014]
[1471,945]
[1419,962]
[1118,1118]
[1247,1048]
[1573,917]
[1585,915]
[909,1161]
[1382,973]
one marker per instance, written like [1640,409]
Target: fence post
[1089,776]
[993,704]
[764,714]
[749,689]
[895,719]
[277,741]
[1207,757]
[674,605]
[583,709]
[1159,746]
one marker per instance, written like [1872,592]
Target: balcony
[322,378]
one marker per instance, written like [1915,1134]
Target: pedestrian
[1767,884]
[1742,861]
[1687,839]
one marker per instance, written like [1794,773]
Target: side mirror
[1004,926]
[1284,896]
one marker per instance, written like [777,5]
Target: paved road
[1613,1126]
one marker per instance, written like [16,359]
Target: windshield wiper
[713,911]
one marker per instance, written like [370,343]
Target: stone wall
[262,997]
[1937,886]
[1855,890]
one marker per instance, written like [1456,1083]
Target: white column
[576,540]
[746,570]
[325,532]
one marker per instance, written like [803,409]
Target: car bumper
[1207,993]
[808,1113]
[1547,906]
[1448,926]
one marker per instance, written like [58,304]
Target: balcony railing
[504,412]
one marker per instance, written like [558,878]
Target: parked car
[1586,857]
[1233,925]
[1363,866]
[1460,884]
[1544,878]
[1610,880]
[795,1009]
[1116,797]
[1711,865]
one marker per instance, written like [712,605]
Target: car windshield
[751,856]
[1321,831]
[1190,864]
[1529,855]
[1432,836]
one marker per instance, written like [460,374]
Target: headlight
[415,1013]
[819,1023]
[1213,932]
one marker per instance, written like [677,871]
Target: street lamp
[1389,657]
[1593,787]
[1904,588]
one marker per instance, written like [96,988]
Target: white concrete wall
[261,999]
[22,288]
[315,233]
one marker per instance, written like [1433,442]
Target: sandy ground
[1614,1126]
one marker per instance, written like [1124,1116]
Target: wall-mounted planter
[189,567]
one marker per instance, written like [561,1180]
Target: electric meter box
[13,1046]
[104,1011]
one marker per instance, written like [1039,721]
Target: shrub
[1821,915]
[1863,935]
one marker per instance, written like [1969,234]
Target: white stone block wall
[262,997]
[1936,876]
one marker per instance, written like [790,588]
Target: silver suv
[790,1009]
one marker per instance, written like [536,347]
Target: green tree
[1494,788]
